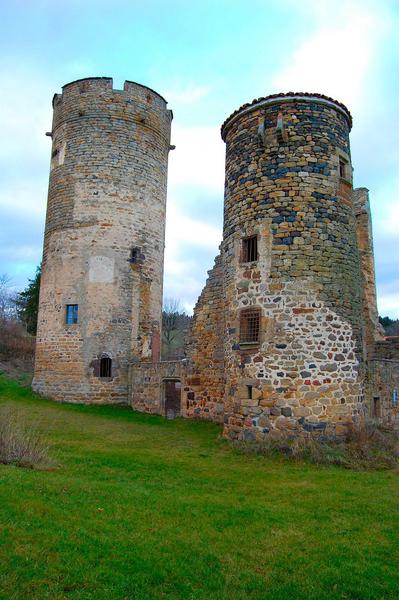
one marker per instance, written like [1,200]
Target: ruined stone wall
[372,328]
[104,238]
[289,182]
[384,378]
[204,387]
[202,373]
[146,381]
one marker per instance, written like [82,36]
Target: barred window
[250,249]
[249,325]
[71,314]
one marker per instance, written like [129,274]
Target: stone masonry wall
[289,183]
[384,377]
[104,238]
[204,387]
[364,232]
[284,184]
[146,392]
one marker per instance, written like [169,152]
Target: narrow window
[250,249]
[71,314]
[395,397]
[376,407]
[105,366]
[134,255]
[342,168]
[249,389]
[249,325]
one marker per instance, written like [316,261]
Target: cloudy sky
[207,57]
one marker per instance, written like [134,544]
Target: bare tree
[175,323]
[170,314]
[7,299]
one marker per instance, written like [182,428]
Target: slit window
[71,317]
[105,366]
[250,249]
[343,168]
[376,407]
[135,255]
[249,390]
[249,325]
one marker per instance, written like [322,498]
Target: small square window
[249,325]
[71,314]
[250,249]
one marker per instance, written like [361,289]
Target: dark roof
[288,94]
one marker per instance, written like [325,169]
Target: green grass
[143,508]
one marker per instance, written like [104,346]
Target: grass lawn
[143,508]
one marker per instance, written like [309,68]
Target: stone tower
[102,272]
[289,354]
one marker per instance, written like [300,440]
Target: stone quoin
[285,335]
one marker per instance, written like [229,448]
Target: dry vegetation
[21,444]
[15,342]
[367,448]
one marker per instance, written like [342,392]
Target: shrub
[15,342]
[20,444]
[368,447]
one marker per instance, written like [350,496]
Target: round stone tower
[102,271]
[292,273]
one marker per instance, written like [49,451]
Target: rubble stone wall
[384,377]
[104,239]
[146,384]
[204,387]
[289,183]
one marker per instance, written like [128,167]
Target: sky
[206,58]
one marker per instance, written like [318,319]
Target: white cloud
[198,159]
[186,94]
[185,276]
[24,197]
[336,58]
[25,116]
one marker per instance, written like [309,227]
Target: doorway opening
[172,397]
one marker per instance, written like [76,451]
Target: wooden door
[172,391]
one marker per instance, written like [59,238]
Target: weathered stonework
[296,254]
[384,382]
[104,239]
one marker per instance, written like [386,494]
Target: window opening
[249,325]
[250,249]
[134,255]
[376,406]
[395,397]
[105,366]
[342,168]
[71,314]
[249,389]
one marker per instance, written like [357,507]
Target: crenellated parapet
[104,239]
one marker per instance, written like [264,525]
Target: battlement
[95,98]
[283,99]
[97,85]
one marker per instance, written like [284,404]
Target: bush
[15,342]
[369,447]
[20,444]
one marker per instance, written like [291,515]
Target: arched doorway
[172,397]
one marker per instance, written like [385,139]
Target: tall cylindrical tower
[292,274]
[102,272]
